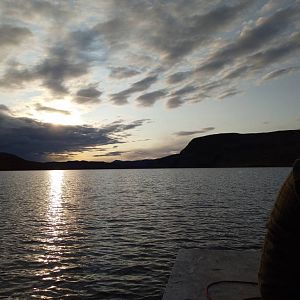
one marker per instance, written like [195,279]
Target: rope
[229,281]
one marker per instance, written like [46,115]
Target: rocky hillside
[278,148]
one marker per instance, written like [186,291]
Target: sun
[60,119]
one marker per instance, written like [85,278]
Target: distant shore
[271,149]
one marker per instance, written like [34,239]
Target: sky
[135,79]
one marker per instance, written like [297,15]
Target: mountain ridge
[267,149]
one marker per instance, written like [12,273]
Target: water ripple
[114,234]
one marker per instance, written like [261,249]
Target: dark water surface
[114,234]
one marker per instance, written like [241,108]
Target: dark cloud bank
[36,140]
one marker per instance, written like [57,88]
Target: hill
[279,148]
[13,162]
[271,149]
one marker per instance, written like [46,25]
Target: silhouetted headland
[271,149]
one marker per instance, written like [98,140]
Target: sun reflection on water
[55,209]
[55,194]
[54,231]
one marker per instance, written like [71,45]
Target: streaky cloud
[229,93]
[139,86]
[178,77]
[149,99]
[177,40]
[280,72]
[122,72]
[48,109]
[188,89]
[276,53]
[251,40]
[111,153]
[237,72]
[188,133]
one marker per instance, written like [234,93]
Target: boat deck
[194,269]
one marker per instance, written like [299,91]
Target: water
[114,234]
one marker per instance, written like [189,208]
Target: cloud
[209,86]
[139,86]
[48,109]
[276,53]
[120,73]
[207,90]
[178,77]
[57,68]
[187,133]
[15,78]
[115,31]
[270,5]
[13,35]
[228,93]
[185,90]
[149,99]
[142,85]
[263,60]
[88,95]
[236,72]
[206,45]
[176,38]
[175,102]
[36,10]
[112,153]
[4,108]
[36,140]
[52,71]
[280,72]
[251,40]
[170,30]
[120,98]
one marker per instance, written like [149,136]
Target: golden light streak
[56,179]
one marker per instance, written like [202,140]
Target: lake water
[114,234]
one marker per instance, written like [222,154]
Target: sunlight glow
[62,112]
[60,119]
